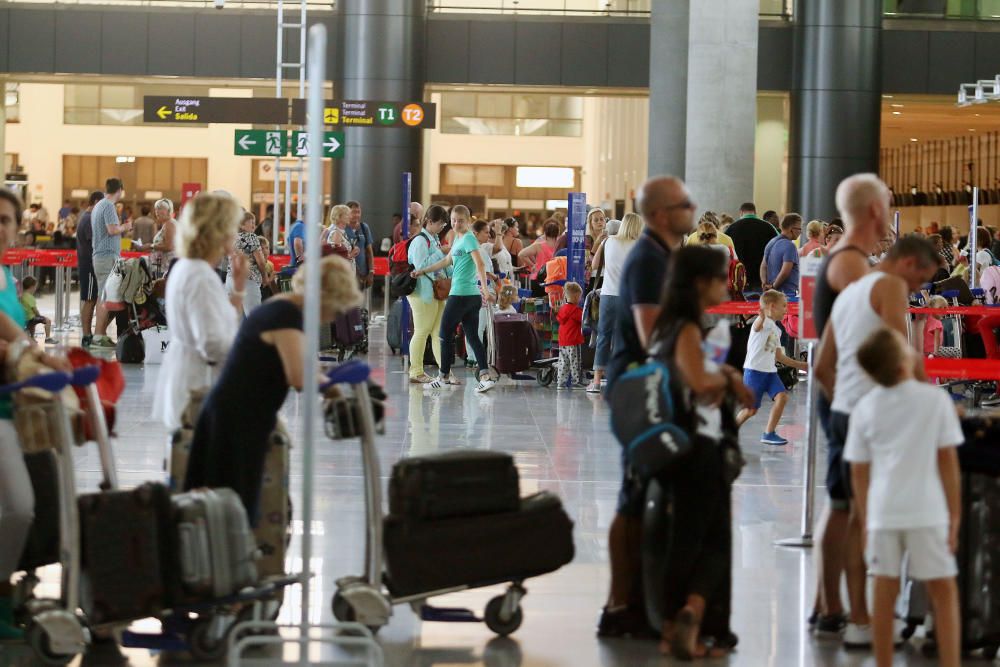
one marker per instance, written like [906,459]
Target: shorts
[88,284]
[632,495]
[761,383]
[838,474]
[103,266]
[928,556]
[34,322]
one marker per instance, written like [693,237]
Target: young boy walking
[760,373]
[904,471]
[31,315]
[570,317]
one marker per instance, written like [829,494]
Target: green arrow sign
[261,142]
[333,144]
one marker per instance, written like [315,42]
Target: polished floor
[561,442]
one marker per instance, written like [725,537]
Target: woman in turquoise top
[423,252]
[17,501]
[469,289]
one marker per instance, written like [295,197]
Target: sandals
[423,378]
[684,643]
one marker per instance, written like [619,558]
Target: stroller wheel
[202,645]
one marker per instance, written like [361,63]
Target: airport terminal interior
[538,125]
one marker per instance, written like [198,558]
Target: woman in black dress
[240,412]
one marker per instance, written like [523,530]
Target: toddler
[760,373]
[31,314]
[570,319]
[904,471]
[506,300]
[933,329]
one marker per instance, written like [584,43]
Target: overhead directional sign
[261,110]
[333,144]
[261,142]
[364,113]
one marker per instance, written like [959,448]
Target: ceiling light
[972,129]
[887,97]
[897,113]
[896,106]
[913,139]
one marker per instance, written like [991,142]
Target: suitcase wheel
[546,375]
[344,612]
[493,617]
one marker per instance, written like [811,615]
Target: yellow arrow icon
[163,113]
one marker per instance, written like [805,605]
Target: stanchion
[805,539]
[60,297]
[385,298]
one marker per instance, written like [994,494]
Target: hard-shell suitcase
[394,326]
[979,561]
[42,546]
[128,552]
[216,547]
[516,341]
[467,482]
[423,556]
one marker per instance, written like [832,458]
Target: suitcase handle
[54,382]
[352,372]
[194,548]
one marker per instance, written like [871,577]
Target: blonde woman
[814,232]
[713,219]
[230,439]
[339,219]
[615,250]
[203,318]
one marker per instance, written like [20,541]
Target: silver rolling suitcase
[218,551]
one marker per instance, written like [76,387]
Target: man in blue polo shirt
[666,207]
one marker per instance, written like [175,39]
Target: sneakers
[51,341]
[87,341]
[593,388]
[485,384]
[435,383]
[857,636]
[828,626]
[451,379]
[103,343]
[773,438]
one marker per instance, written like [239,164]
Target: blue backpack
[643,420]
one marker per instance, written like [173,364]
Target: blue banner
[576,244]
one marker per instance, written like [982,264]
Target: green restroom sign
[261,142]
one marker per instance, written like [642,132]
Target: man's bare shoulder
[846,267]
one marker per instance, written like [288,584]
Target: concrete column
[380,50]
[835,120]
[3,126]
[703,90]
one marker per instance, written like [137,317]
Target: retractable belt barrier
[753,307]
[962,369]
[57,257]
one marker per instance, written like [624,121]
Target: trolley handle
[351,372]
[54,382]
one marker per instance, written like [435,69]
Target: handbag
[643,420]
[442,288]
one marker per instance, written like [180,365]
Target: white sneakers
[857,636]
[485,384]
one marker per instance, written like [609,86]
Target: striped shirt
[105,245]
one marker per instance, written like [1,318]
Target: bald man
[666,207]
[863,202]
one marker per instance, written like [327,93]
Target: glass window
[531,106]
[82,95]
[97,104]
[118,97]
[12,102]
[564,106]
[494,106]
[458,104]
[505,114]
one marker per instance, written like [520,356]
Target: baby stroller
[130,291]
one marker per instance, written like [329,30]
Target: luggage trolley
[368,599]
[55,630]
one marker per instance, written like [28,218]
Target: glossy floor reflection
[562,443]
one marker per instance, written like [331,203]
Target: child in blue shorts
[760,373]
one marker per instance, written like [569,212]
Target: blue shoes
[773,438]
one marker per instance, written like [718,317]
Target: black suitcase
[130,348]
[42,546]
[424,556]
[128,553]
[979,453]
[466,482]
[978,562]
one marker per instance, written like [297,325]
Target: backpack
[654,443]
[993,258]
[737,279]
[401,282]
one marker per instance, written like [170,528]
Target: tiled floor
[562,443]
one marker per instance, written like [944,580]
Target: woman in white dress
[203,318]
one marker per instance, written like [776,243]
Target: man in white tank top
[879,299]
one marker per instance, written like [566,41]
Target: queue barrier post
[805,539]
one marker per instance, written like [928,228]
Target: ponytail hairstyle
[508,296]
[435,213]
[680,303]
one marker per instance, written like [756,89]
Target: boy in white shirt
[904,471]
[759,370]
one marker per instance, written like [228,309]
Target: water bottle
[717,343]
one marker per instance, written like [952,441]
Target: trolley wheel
[344,612]
[545,376]
[493,620]
[38,640]
[202,646]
